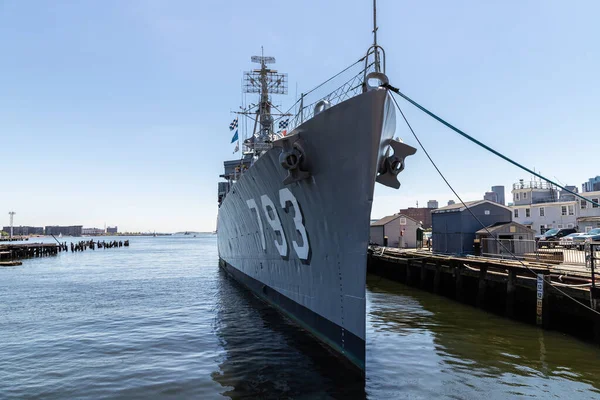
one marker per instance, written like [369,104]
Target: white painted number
[252,206]
[301,247]
[285,196]
[275,222]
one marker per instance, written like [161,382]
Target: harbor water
[159,319]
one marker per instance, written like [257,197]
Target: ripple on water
[160,320]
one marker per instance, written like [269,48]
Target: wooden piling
[423,274]
[511,289]
[459,282]
[408,273]
[481,287]
[508,287]
[437,278]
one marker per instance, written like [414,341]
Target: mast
[375,47]
[266,82]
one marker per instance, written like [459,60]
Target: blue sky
[117,112]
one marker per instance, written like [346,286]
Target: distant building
[25,230]
[454,227]
[401,231]
[92,231]
[74,230]
[420,214]
[432,204]
[491,196]
[545,216]
[499,190]
[451,202]
[566,196]
[112,229]
[577,214]
[533,192]
[592,185]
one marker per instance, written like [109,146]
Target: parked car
[551,237]
[579,242]
[568,241]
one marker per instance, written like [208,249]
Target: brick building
[421,214]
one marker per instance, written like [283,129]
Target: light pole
[12,214]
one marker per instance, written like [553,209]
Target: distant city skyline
[118,112]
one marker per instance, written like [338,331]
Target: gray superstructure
[293,222]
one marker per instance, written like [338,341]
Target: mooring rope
[479,143]
[548,281]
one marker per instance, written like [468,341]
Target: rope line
[548,281]
[477,142]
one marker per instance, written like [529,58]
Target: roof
[499,225]
[385,220]
[588,219]
[461,207]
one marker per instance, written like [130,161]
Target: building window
[402,221]
[560,226]
[542,229]
[571,210]
[569,225]
[595,201]
[516,196]
[527,213]
[516,213]
[563,210]
[542,211]
[524,195]
[583,204]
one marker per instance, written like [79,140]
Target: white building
[400,230]
[562,214]
[92,231]
[544,216]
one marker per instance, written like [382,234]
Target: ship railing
[327,94]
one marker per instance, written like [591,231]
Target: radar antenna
[264,81]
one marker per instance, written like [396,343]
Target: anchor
[291,158]
[391,166]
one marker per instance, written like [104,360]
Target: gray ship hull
[303,246]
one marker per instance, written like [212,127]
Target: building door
[508,244]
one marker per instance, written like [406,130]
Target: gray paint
[454,231]
[343,146]
[516,239]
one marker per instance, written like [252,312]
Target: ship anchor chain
[291,158]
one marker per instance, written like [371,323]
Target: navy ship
[294,209]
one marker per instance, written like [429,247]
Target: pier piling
[506,287]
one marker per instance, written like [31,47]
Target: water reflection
[268,357]
[463,351]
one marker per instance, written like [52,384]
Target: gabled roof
[385,220]
[460,207]
[390,218]
[498,225]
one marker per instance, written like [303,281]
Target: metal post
[12,214]
[301,108]
[375,49]
[592,267]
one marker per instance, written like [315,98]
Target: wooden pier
[10,254]
[13,238]
[506,287]
[14,252]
